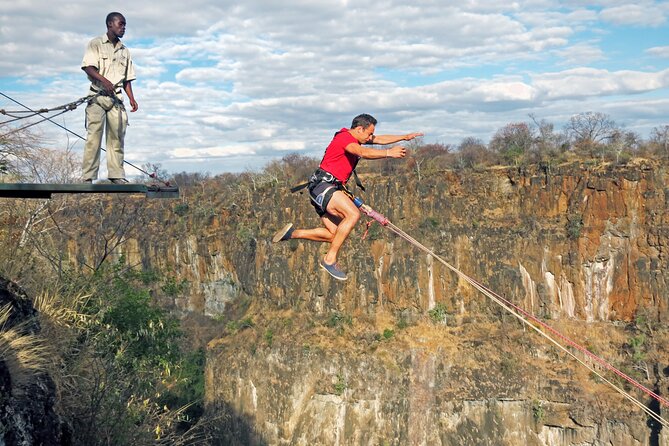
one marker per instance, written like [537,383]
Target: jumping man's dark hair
[364,120]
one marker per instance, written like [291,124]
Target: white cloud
[659,51]
[643,14]
[505,91]
[583,53]
[209,152]
[584,82]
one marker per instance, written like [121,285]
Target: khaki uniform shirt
[112,62]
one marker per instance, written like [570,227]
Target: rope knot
[369,224]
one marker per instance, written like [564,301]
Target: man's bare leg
[316,234]
[338,223]
[341,206]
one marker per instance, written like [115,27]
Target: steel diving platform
[40,190]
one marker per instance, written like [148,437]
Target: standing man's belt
[103,92]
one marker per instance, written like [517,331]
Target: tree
[590,130]
[472,152]
[512,142]
[185,179]
[301,166]
[123,373]
[25,223]
[659,140]
[293,168]
[25,159]
[623,144]
[13,148]
[429,158]
[156,170]
[548,145]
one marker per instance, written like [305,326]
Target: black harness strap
[357,180]
[299,187]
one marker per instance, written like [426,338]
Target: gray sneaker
[118,180]
[284,233]
[333,270]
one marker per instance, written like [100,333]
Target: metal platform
[36,190]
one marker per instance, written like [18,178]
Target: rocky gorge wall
[575,242]
[413,393]
[361,362]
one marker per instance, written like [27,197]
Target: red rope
[369,223]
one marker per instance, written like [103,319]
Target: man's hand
[127,86]
[396,152]
[107,86]
[411,136]
[102,81]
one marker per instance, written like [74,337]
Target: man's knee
[354,215]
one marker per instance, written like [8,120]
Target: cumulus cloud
[659,51]
[584,82]
[584,53]
[643,14]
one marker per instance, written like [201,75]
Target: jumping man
[328,194]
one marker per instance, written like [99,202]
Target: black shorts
[321,193]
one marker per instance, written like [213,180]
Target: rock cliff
[404,352]
[27,399]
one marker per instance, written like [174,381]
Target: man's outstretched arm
[391,139]
[373,154]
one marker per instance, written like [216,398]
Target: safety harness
[322,175]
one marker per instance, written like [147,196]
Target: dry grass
[64,313]
[24,354]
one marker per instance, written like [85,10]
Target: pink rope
[371,213]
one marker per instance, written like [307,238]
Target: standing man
[110,69]
[327,190]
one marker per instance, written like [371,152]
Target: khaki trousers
[102,112]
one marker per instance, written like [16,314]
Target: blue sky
[228,86]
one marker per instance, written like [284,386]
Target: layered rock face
[571,242]
[399,394]
[363,362]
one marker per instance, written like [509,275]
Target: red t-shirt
[337,160]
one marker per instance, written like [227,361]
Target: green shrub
[242,324]
[636,344]
[340,385]
[438,314]
[181,209]
[172,287]
[269,336]
[402,322]
[574,226]
[508,365]
[429,223]
[339,321]
[538,411]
